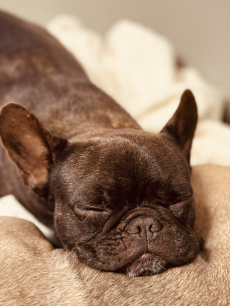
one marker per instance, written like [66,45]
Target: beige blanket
[33,273]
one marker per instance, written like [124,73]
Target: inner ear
[29,145]
[181,127]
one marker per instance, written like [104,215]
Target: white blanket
[136,66]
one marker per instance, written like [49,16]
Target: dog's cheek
[67,225]
[73,228]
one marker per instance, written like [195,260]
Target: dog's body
[37,72]
[118,196]
[42,275]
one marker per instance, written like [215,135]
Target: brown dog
[34,273]
[118,196]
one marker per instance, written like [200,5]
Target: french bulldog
[116,195]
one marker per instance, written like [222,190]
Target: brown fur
[118,196]
[33,273]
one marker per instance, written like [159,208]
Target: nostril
[143,225]
[133,229]
[156,227]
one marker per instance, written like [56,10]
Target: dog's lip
[146,264]
[147,256]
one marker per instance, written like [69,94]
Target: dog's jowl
[118,196]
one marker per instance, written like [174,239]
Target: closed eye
[91,209]
[99,209]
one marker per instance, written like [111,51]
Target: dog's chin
[146,265]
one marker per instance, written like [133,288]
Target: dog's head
[122,198]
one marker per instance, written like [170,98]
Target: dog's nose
[144,227]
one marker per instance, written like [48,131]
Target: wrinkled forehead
[153,156]
[125,166]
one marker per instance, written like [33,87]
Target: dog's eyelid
[185,201]
[94,209]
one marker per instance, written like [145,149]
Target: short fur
[118,196]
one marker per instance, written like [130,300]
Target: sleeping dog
[118,196]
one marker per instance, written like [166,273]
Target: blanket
[138,68]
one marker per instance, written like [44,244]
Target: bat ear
[32,148]
[181,127]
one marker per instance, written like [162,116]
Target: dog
[42,275]
[118,196]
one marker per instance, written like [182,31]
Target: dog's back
[34,71]
[39,73]
[28,53]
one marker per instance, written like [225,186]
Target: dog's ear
[29,145]
[181,127]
